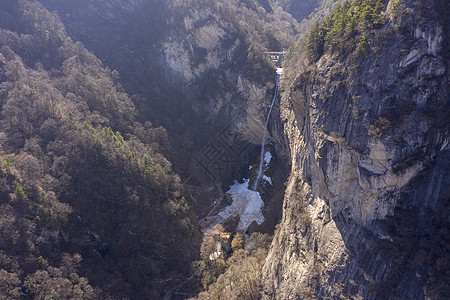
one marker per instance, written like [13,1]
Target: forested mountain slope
[90,207]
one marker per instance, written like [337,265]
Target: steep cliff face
[366,210]
[207,57]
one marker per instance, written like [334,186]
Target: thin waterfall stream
[263,142]
[247,202]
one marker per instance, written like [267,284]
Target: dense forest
[88,198]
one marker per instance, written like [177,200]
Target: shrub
[237,242]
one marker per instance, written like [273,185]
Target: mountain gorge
[196,62]
[128,127]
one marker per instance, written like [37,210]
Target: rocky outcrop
[207,60]
[207,46]
[366,210]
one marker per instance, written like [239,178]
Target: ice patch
[250,167]
[246,203]
[280,71]
[268,179]
[267,157]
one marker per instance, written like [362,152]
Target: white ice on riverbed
[268,179]
[267,157]
[246,203]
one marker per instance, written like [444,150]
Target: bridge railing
[274,56]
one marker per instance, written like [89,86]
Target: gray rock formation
[366,211]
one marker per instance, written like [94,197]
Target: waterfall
[263,142]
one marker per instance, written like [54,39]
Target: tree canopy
[348,20]
[90,206]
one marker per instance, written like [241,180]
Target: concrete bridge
[275,57]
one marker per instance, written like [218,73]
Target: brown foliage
[79,174]
[242,278]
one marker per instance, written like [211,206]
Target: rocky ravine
[207,57]
[197,67]
[366,210]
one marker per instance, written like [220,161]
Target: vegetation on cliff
[348,20]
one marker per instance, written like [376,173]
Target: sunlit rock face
[183,57]
[210,50]
[366,207]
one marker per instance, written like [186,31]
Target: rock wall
[366,210]
[205,57]
[207,47]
